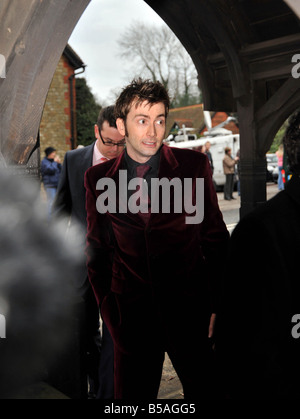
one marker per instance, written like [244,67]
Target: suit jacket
[69,202]
[261,294]
[166,256]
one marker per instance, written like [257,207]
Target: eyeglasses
[112,143]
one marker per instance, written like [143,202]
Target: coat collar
[168,165]
[86,154]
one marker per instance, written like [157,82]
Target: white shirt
[97,156]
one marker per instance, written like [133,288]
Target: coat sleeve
[62,205]
[99,245]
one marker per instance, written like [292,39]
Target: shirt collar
[97,156]
[131,164]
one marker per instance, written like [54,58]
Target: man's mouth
[149,143]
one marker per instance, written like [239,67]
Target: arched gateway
[242,51]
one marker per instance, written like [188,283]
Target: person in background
[279,154]
[201,148]
[238,169]
[50,172]
[70,202]
[209,156]
[258,331]
[229,169]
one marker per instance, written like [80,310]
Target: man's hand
[211,325]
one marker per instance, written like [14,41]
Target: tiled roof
[193,117]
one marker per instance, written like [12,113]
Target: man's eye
[141,121]
[160,122]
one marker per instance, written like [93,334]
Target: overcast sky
[95,40]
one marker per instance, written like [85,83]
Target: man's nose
[152,130]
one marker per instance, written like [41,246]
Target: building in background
[193,117]
[58,124]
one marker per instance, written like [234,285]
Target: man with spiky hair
[153,272]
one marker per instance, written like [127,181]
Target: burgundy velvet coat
[167,258]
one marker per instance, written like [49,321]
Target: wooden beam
[252,164]
[269,48]
[294,5]
[199,29]
[215,24]
[33,35]
[274,112]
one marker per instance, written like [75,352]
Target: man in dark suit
[257,340]
[70,202]
[154,273]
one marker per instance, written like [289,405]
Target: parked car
[275,174]
[272,167]
[271,159]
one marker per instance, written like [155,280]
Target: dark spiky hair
[106,114]
[139,91]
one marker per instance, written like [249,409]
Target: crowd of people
[153,284]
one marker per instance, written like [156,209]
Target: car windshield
[272,158]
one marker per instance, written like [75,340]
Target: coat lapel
[87,160]
[79,164]
[113,173]
[168,168]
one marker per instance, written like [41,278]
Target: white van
[219,138]
[217,148]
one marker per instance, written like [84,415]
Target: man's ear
[96,129]
[120,126]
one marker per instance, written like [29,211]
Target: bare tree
[156,53]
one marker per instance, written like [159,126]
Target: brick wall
[55,127]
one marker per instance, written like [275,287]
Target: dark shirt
[130,165]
